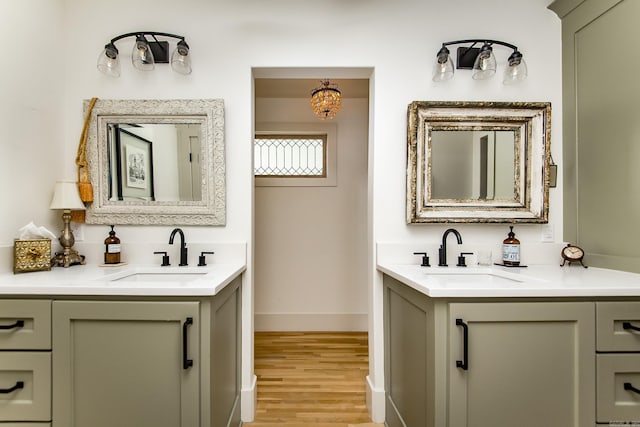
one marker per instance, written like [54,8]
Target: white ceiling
[301,88]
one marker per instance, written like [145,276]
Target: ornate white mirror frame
[207,114]
[529,123]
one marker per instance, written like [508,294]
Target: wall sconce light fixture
[146,53]
[479,59]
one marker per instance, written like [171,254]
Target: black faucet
[442,252]
[183,246]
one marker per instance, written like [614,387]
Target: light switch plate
[547,233]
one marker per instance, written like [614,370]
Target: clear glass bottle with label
[112,248]
[511,249]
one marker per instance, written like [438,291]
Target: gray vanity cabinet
[120,363]
[521,363]
[153,362]
[528,364]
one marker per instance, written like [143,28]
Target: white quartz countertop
[124,280]
[531,281]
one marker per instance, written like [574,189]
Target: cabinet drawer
[30,374]
[614,402]
[25,325]
[612,318]
[25,424]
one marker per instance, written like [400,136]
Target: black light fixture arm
[485,41]
[146,33]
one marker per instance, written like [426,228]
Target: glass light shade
[443,70]
[66,196]
[109,61]
[485,64]
[141,56]
[180,59]
[326,101]
[515,72]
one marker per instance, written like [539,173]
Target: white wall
[32,145]
[311,242]
[42,110]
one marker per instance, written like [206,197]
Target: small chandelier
[326,100]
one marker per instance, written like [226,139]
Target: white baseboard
[296,322]
[249,401]
[375,402]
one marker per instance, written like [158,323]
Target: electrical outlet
[547,233]
[78,231]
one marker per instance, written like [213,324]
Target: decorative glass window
[290,156]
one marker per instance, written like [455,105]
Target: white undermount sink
[157,275]
[475,279]
[474,276]
[160,277]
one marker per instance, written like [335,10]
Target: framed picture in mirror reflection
[134,165]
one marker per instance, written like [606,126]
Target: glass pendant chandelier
[326,100]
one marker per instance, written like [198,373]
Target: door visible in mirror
[473,164]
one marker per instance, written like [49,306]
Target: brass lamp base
[68,256]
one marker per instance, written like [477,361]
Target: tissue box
[31,255]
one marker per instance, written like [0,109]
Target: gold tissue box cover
[31,255]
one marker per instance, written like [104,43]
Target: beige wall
[311,242]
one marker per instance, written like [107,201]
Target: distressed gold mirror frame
[530,123]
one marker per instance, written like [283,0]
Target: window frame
[300,129]
[296,137]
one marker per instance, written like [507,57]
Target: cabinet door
[123,364]
[528,364]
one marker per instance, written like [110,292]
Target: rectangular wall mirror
[478,161]
[157,162]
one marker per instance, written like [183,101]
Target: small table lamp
[67,198]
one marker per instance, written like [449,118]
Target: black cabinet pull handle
[628,386]
[464,363]
[628,325]
[186,362]
[18,386]
[18,324]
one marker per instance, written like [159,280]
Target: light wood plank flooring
[311,379]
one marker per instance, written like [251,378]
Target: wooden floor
[311,379]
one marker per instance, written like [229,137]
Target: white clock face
[573,252]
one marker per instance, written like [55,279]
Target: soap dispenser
[112,248]
[511,249]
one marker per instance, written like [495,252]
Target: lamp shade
[443,68]
[66,196]
[109,61]
[142,57]
[516,70]
[181,60]
[485,64]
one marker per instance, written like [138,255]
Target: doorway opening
[311,251]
